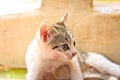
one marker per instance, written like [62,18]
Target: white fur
[32,60]
[76,71]
[112,78]
[102,64]
[38,50]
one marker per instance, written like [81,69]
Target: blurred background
[95,24]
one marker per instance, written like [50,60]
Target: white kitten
[52,54]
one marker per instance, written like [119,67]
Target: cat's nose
[74,53]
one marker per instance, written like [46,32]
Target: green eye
[65,47]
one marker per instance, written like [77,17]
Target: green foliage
[13,73]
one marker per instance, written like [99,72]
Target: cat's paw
[113,78]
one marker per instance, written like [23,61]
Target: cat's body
[98,66]
[52,54]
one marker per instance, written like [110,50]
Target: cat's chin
[70,57]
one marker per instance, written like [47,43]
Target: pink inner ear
[45,31]
[45,36]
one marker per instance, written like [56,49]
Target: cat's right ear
[46,31]
[64,18]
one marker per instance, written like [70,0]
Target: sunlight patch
[18,6]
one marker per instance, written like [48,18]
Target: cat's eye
[65,47]
[55,47]
[74,43]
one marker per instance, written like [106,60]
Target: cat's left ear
[46,31]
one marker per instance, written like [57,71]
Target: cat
[52,53]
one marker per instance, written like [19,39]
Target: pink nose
[74,53]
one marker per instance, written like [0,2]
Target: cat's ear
[64,18]
[46,31]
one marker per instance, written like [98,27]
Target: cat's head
[58,38]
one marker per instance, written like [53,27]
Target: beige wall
[16,31]
[100,33]
[93,31]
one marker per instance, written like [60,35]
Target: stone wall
[74,5]
[16,32]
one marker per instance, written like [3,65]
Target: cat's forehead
[59,24]
[62,29]
[59,27]
[64,35]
